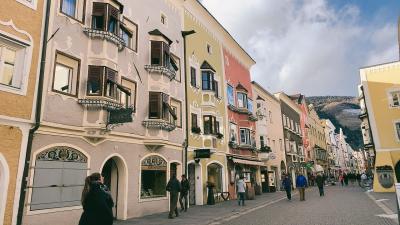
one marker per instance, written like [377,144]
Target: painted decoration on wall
[62,153]
[154,162]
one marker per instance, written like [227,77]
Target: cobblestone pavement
[341,205]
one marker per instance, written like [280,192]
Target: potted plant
[219,135]
[196,130]
[265,149]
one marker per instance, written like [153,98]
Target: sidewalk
[206,214]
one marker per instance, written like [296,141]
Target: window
[233,132]
[177,66]
[270,116]
[59,176]
[209,49]
[102,81]
[105,17]
[11,63]
[163,19]
[245,138]
[398,130]
[159,107]
[280,144]
[262,144]
[231,97]
[242,100]
[193,77]
[210,125]
[207,78]
[66,74]
[161,56]
[73,9]
[128,96]
[153,177]
[129,33]
[250,105]
[177,108]
[395,98]
[126,35]
[194,120]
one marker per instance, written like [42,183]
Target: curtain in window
[68,7]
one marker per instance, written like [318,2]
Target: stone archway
[114,173]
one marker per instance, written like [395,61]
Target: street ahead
[341,205]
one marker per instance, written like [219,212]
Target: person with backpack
[173,187]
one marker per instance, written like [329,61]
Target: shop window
[59,176]
[66,74]
[245,136]
[210,125]
[159,106]
[128,96]
[230,94]
[193,77]
[102,81]
[73,8]
[12,57]
[177,109]
[214,174]
[242,100]
[105,17]
[153,177]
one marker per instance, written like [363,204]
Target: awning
[248,162]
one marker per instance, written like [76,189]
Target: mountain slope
[343,112]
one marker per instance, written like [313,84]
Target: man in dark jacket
[184,193]
[301,183]
[320,183]
[174,187]
[287,184]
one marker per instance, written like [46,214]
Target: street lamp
[184,35]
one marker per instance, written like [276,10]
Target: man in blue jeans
[241,190]
[301,183]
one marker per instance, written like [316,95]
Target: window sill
[158,124]
[161,70]
[12,89]
[93,33]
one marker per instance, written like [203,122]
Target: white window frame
[23,60]
[390,98]
[247,136]
[32,4]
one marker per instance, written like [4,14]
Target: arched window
[154,177]
[59,177]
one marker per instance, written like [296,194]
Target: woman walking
[97,206]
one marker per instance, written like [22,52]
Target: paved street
[348,205]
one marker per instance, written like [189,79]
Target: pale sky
[315,47]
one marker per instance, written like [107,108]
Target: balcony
[239,110]
[98,103]
[158,124]
[163,70]
[109,36]
[264,156]
[253,118]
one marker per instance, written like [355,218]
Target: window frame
[193,76]
[127,88]
[82,21]
[396,130]
[210,81]
[232,96]
[194,123]
[247,136]
[179,116]
[77,73]
[106,18]
[245,97]
[178,62]
[213,122]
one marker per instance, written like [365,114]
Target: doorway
[192,182]
[114,173]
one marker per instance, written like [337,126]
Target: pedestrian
[359,179]
[109,198]
[241,190]
[185,186]
[301,183]
[173,187]
[320,183]
[363,179]
[341,179]
[287,185]
[346,179]
[95,203]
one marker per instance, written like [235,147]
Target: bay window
[207,80]
[105,17]
[159,107]
[102,81]
[245,136]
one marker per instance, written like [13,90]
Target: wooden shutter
[113,12]
[193,76]
[166,55]
[216,88]
[154,105]
[156,51]
[95,80]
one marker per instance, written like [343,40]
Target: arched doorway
[192,182]
[214,175]
[113,172]
[397,171]
[4,177]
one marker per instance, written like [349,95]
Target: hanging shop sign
[123,115]
[202,153]
[385,176]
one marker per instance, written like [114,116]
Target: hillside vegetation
[343,112]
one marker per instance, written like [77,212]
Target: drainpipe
[37,116]
[184,34]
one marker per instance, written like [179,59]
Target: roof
[297,97]
[157,32]
[265,91]
[241,87]
[207,66]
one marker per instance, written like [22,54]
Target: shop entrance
[192,182]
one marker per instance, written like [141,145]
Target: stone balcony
[158,124]
[109,36]
[162,70]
